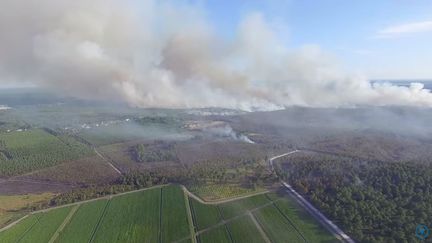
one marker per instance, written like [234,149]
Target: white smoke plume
[165,54]
[225,130]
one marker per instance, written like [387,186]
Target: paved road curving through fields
[327,223]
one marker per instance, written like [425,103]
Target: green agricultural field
[244,230]
[161,215]
[174,222]
[83,222]
[134,217]
[274,196]
[46,226]
[217,235]
[304,222]
[18,231]
[278,228]
[30,150]
[238,207]
[204,215]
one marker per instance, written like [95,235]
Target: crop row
[155,215]
[160,215]
[253,219]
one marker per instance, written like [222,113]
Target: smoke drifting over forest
[167,55]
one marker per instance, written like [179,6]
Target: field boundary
[223,200]
[190,219]
[193,212]
[225,225]
[290,221]
[229,232]
[134,191]
[160,215]
[108,197]
[64,223]
[27,230]
[227,221]
[99,221]
[259,228]
[194,235]
[14,223]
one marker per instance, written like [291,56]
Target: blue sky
[381,38]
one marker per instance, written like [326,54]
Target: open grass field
[18,231]
[30,150]
[238,207]
[217,235]
[204,215]
[244,230]
[305,223]
[46,226]
[133,217]
[83,223]
[174,222]
[276,226]
[160,214]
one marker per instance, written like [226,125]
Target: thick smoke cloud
[165,54]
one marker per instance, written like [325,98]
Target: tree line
[372,201]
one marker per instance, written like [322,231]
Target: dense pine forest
[373,201]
